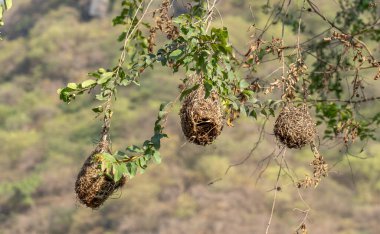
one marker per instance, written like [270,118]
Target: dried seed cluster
[164,23]
[296,70]
[320,169]
[360,50]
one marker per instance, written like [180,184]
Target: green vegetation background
[44,143]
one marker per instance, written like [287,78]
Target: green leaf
[263,111]
[87,83]
[8,4]
[98,109]
[134,149]
[253,114]
[118,171]
[188,91]
[72,86]
[66,94]
[208,88]
[100,97]
[162,114]
[157,157]
[243,111]
[175,54]
[261,54]
[156,141]
[243,84]
[125,82]
[106,166]
[120,155]
[163,106]
[271,111]
[108,157]
[116,174]
[142,162]
[132,169]
[248,93]
[102,70]
[105,77]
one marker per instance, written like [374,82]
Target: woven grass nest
[92,187]
[294,126]
[201,119]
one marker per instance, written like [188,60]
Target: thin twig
[130,32]
[107,105]
[315,9]
[269,158]
[261,135]
[345,101]
[275,196]
[351,171]
[306,212]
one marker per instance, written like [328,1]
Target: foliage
[355,21]
[191,47]
[135,158]
[51,137]
[340,120]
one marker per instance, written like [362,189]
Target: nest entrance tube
[294,126]
[201,119]
[93,187]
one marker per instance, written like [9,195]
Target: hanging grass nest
[294,127]
[201,119]
[92,186]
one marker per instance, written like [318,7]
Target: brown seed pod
[92,186]
[201,119]
[294,127]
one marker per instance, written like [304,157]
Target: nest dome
[93,187]
[201,119]
[294,127]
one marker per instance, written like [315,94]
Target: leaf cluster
[209,54]
[135,158]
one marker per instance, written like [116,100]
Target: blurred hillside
[44,143]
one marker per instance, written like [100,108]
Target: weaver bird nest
[294,127]
[92,186]
[201,119]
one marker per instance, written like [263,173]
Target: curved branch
[347,101]
[261,135]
